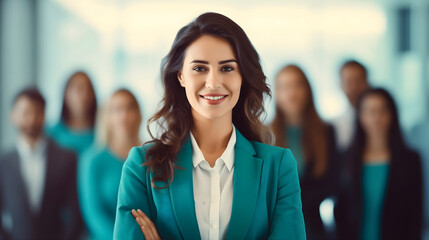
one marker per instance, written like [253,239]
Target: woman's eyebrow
[221,62]
[199,61]
[227,61]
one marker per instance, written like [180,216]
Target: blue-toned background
[121,43]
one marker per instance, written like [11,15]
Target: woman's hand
[146,225]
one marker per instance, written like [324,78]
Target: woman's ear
[180,78]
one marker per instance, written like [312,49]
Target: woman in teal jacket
[75,130]
[118,124]
[209,173]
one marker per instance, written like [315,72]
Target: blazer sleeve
[415,196]
[288,220]
[132,194]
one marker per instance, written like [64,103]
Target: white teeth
[213,97]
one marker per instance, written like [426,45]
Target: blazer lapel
[247,175]
[20,189]
[21,212]
[182,194]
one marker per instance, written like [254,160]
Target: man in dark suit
[38,196]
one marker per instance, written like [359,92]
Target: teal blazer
[266,198]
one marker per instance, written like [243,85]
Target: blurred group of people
[361,162]
[61,181]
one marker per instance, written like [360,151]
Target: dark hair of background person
[31,93]
[314,129]
[354,63]
[65,111]
[175,118]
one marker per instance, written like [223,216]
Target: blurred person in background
[117,131]
[354,81]
[75,130]
[298,126]
[381,195]
[38,196]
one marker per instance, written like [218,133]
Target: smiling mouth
[214,98]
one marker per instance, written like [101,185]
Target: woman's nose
[213,80]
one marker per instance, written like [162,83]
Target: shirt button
[214,226]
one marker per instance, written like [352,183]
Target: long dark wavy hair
[174,118]
[92,111]
[396,142]
[314,139]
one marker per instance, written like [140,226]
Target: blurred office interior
[120,43]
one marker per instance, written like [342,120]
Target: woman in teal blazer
[214,87]
[101,164]
[75,130]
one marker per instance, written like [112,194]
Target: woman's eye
[200,69]
[227,69]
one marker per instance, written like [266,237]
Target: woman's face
[79,95]
[291,96]
[124,115]
[211,77]
[375,115]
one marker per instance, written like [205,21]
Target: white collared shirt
[213,190]
[344,128]
[33,170]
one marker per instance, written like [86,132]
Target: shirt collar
[25,149]
[227,156]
